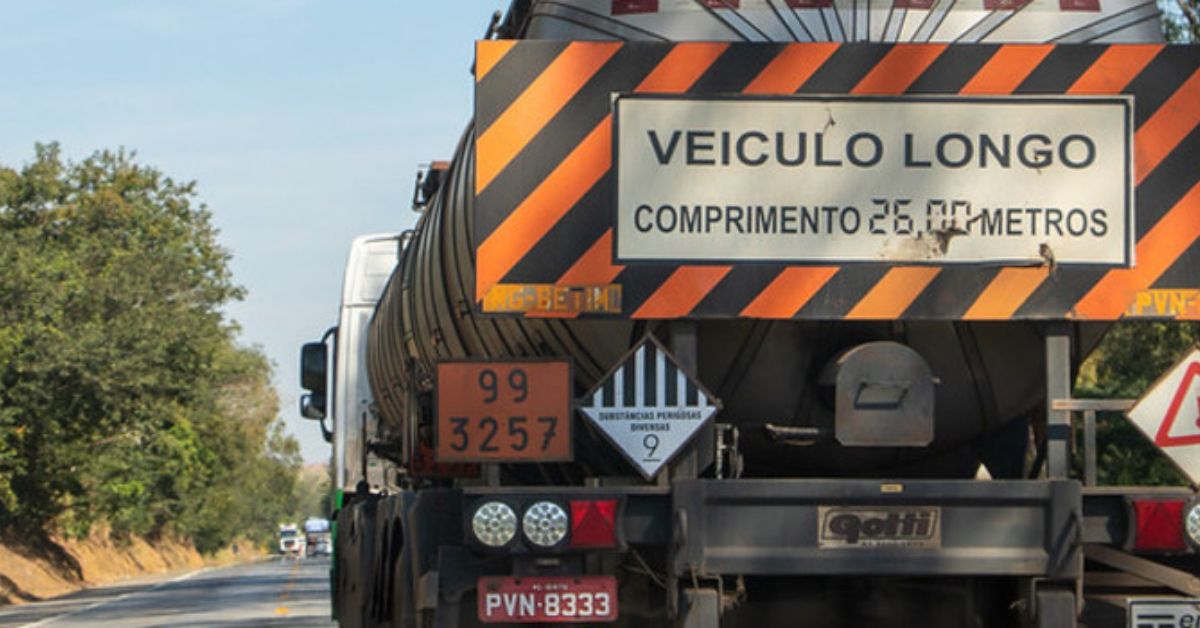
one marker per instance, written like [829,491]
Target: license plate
[547,599]
[1164,613]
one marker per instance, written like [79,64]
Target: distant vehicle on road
[318,540]
[291,542]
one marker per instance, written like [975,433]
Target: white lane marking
[116,599]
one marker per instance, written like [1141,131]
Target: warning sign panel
[648,407]
[859,179]
[1169,415]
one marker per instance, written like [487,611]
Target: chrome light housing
[545,524]
[1191,523]
[494,524]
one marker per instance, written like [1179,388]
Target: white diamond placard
[648,407]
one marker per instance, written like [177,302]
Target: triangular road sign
[1181,425]
[648,407]
[1169,414]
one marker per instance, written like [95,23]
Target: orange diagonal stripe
[681,67]
[791,68]
[897,70]
[489,53]
[1011,65]
[1167,127]
[894,292]
[682,291]
[595,267]
[546,95]
[1006,292]
[534,217]
[789,291]
[1114,69]
[1156,251]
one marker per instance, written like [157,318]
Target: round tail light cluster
[494,524]
[547,524]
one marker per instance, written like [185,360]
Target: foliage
[123,396]
[1181,20]
[1131,357]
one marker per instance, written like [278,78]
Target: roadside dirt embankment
[36,571]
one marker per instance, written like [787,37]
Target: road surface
[281,592]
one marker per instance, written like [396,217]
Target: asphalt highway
[282,592]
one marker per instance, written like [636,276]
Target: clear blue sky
[303,123]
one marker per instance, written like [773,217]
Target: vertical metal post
[491,474]
[686,466]
[1089,447]
[683,346]
[1058,386]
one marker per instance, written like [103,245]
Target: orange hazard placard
[518,411]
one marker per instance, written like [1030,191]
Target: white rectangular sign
[914,179]
[1164,613]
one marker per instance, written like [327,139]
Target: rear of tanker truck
[766,312]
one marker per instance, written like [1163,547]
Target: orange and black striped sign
[544,182]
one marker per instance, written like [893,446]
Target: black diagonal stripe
[735,68]
[1182,272]
[952,292]
[737,289]
[953,69]
[1059,292]
[563,134]
[649,376]
[1060,69]
[1159,80]
[845,68]
[567,240]
[671,381]
[629,397]
[610,393]
[512,76]
[842,292]
[1170,180]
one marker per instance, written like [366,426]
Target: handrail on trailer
[1089,408]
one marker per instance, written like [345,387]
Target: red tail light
[1158,525]
[594,523]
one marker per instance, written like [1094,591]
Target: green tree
[1181,20]
[123,396]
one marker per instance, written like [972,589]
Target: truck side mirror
[313,360]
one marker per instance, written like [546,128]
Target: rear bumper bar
[771,527]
